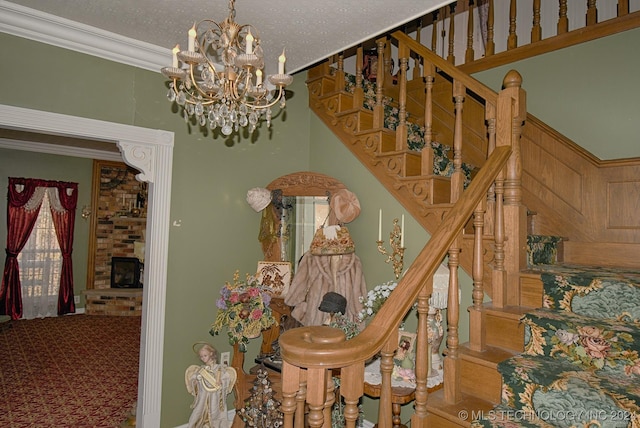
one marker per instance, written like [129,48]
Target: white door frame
[151,152]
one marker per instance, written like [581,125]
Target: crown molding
[50,29]
[54,149]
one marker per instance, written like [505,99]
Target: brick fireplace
[120,207]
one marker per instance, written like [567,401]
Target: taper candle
[249,47]
[175,56]
[192,38]
[380,225]
[402,232]
[281,60]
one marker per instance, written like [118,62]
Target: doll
[209,383]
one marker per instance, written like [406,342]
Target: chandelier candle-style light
[219,78]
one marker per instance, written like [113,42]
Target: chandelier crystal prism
[218,80]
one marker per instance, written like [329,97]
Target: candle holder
[396,256]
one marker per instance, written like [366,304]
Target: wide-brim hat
[345,206]
[259,198]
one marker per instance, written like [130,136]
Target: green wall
[213,231]
[14,163]
[587,92]
[217,231]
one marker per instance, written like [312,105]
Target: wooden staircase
[430,198]
[482,228]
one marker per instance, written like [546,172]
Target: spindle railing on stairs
[312,354]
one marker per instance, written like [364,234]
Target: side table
[399,395]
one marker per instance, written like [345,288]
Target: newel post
[511,115]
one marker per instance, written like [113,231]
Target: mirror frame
[303,183]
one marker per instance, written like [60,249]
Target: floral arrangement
[243,308]
[375,299]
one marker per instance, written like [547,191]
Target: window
[40,266]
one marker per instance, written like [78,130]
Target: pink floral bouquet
[243,308]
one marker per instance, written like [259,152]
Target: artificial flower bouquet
[243,308]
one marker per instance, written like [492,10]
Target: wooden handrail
[307,347]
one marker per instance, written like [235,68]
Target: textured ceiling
[310,30]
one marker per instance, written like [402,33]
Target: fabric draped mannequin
[318,275]
[24,198]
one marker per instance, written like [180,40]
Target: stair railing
[310,354]
[479,35]
[313,354]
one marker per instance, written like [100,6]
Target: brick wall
[117,228]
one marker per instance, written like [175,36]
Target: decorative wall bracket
[396,256]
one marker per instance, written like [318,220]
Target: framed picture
[276,276]
[405,354]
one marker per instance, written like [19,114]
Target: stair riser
[531,291]
[506,333]
[480,381]
[335,104]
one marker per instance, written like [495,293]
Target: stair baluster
[317,399]
[491,44]
[330,399]
[340,82]
[291,381]
[378,111]
[512,39]
[457,179]
[386,367]
[358,93]
[536,29]
[452,30]
[469,54]
[592,12]
[401,129]
[351,391]
[476,341]
[452,391]
[423,358]
[490,117]
[427,151]
[499,274]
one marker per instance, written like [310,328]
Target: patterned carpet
[76,371]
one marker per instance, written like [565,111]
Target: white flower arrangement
[374,299]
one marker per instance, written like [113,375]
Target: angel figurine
[210,384]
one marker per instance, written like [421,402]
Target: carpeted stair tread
[549,388]
[591,343]
[597,294]
[581,364]
[594,292]
[566,269]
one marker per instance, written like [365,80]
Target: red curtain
[20,222]
[64,222]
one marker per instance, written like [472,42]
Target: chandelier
[219,79]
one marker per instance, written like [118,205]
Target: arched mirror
[300,204]
[292,207]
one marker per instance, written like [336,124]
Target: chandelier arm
[271,104]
